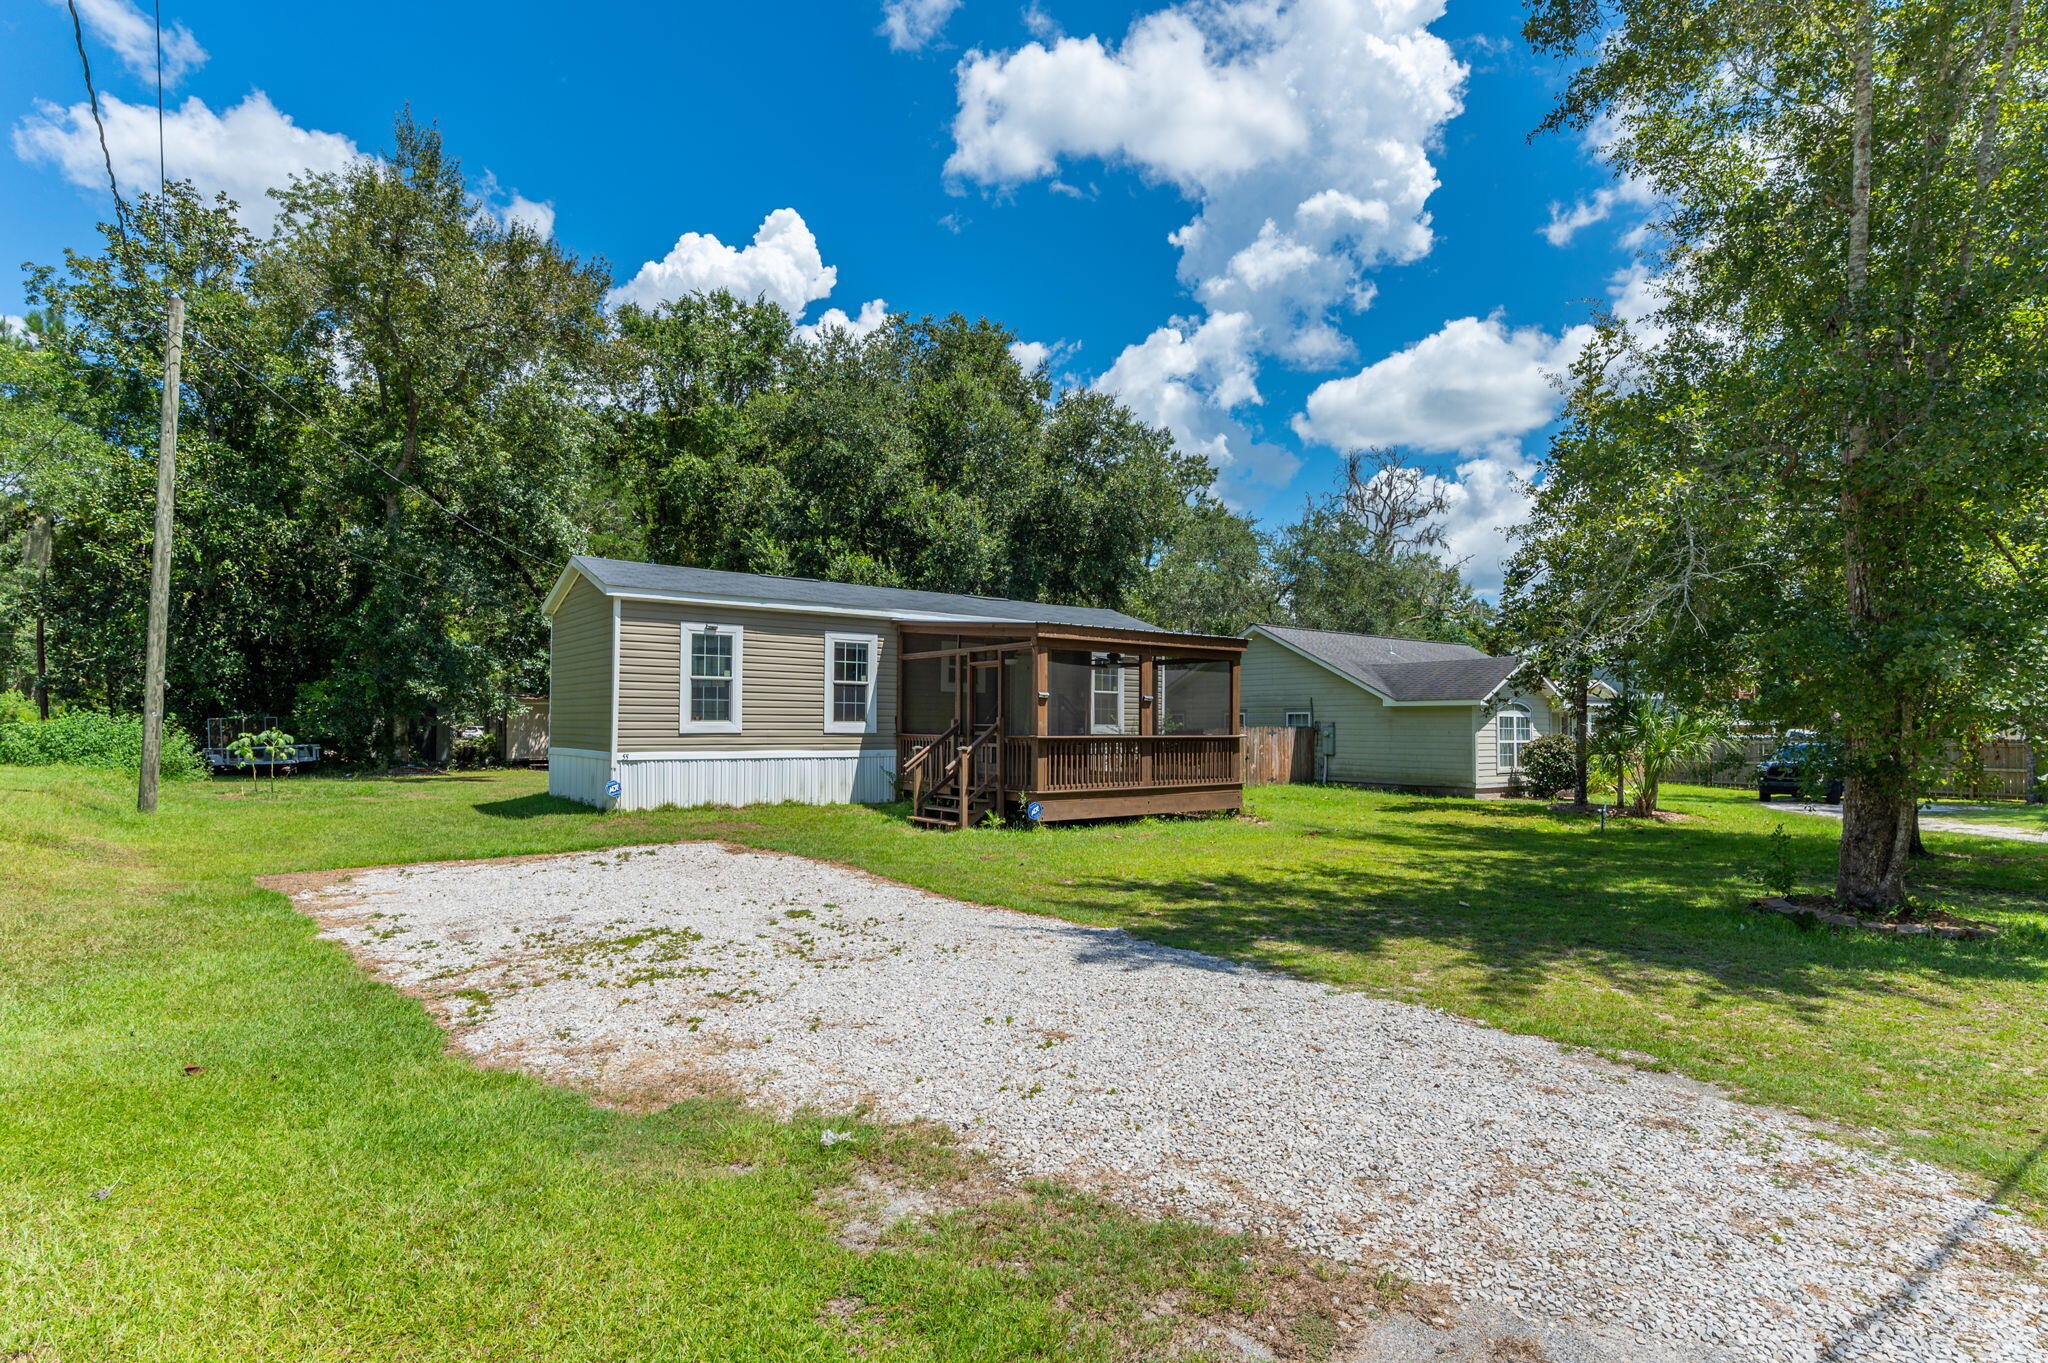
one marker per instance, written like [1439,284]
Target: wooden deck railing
[1061,763]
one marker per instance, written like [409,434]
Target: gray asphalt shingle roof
[1403,669]
[804,591]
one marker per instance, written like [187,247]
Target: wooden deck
[1094,776]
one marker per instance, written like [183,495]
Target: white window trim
[1521,711]
[865,726]
[1307,719]
[1122,681]
[739,650]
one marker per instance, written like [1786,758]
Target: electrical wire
[159,19]
[92,96]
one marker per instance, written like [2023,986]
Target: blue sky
[1368,261]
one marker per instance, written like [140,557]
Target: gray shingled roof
[659,577]
[1403,669]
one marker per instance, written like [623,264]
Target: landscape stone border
[1850,920]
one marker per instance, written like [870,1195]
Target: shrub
[1549,765]
[86,738]
[1779,871]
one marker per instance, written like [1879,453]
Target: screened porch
[1079,723]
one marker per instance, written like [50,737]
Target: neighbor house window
[1514,730]
[711,678]
[1299,719]
[850,683]
[1106,697]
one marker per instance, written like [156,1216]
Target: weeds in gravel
[1632,942]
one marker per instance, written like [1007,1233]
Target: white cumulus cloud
[874,314]
[1191,379]
[123,26]
[1473,385]
[1030,355]
[537,216]
[1566,223]
[910,24]
[1485,496]
[781,265]
[1301,131]
[243,151]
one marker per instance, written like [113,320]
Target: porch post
[1236,722]
[1040,715]
[1148,713]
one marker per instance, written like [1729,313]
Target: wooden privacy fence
[2001,771]
[1277,756]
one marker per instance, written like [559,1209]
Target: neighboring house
[687,686]
[523,733]
[1401,713]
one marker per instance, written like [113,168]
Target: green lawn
[332,1184]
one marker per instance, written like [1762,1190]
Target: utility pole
[39,560]
[160,564]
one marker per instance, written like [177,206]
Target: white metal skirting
[651,781]
[579,775]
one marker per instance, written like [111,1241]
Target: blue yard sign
[1033,810]
[612,789]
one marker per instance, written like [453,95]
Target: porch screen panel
[1194,696]
[1018,697]
[1070,678]
[929,685]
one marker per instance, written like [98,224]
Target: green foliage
[1639,742]
[1368,559]
[89,738]
[261,752]
[1779,872]
[920,455]
[1549,765]
[1215,578]
[1819,481]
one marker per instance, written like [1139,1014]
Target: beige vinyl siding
[1542,719]
[782,679]
[1376,744]
[580,668]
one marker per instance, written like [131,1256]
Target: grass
[332,1184]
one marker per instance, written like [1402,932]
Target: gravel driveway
[1932,822]
[1519,1175]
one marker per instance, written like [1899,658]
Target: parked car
[1809,767]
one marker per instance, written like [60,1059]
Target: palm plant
[1648,739]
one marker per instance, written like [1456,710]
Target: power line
[159,18]
[92,96]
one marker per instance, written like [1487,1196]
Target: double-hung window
[712,672]
[1299,719]
[1513,729]
[850,664]
[1106,697]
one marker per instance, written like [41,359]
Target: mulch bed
[1922,922]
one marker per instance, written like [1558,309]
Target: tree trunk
[42,686]
[1918,848]
[1878,824]
[1877,802]
[1582,779]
